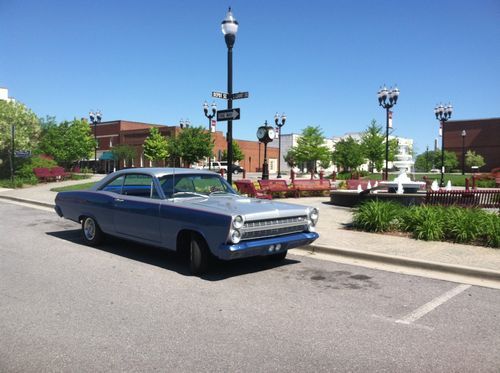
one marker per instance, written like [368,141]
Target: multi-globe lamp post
[387,98]
[184,123]
[95,118]
[443,113]
[229,29]
[279,124]
[210,117]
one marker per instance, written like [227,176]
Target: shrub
[377,216]
[424,222]
[491,230]
[26,170]
[463,225]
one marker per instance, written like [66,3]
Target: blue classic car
[191,211]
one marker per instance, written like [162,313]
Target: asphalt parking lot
[68,307]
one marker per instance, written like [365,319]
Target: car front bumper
[265,246]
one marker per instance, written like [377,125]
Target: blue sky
[320,62]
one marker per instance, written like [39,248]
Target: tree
[450,161]
[426,161]
[237,153]
[348,154]
[155,146]
[290,158]
[67,142]
[473,159]
[192,144]
[122,153]
[373,146]
[311,147]
[27,130]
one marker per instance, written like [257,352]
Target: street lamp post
[387,98]
[229,29]
[443,113]
[279,124]
[463,151]
[209,116]
[184,123]
[95,118]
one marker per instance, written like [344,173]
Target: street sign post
[22,153]
[231,114]
[239,95]
[222,95]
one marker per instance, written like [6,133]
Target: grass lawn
[82,186]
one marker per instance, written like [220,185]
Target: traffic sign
[222,95]
[22,153]
[231,114]
[237,96]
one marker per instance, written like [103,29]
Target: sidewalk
[336,239]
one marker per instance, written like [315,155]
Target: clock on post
[265,134]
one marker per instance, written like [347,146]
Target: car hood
[250,208]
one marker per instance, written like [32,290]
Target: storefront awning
[106,156]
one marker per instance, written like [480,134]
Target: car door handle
[118,200]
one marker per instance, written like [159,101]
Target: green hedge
[431,223]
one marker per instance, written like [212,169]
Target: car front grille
[273,227]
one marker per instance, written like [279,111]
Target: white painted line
[436,302]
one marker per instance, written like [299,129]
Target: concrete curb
[407,262]
[24,200]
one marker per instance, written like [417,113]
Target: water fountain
[402,183]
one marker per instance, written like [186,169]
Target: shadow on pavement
[171,261]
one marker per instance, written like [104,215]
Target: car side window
[114,185]
[139,185]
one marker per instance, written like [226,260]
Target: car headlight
[238,222]
[314,215]
[235,236]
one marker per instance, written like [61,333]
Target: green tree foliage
[310,147]
[473,159]
[192,144]
[427,161]
[373,146]
[290,158]
[237,153]
[67,142]
[155,146]
[348,154]
[27,130]
[122,153]
[450,161]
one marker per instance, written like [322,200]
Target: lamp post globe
[210,116]
[95,118]
[279,124]
[387,98]
[443,114]
[229,28]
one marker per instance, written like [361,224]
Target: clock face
[261,133]
[271,133]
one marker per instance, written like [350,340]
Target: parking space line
[433,304]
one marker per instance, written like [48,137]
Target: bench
[314,185]
[247,187]
[277,186]
[485,198]
[43,174]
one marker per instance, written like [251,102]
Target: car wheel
[236,172]
[279,256]
[92,234]
[199,256]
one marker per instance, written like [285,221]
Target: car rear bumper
[266,246]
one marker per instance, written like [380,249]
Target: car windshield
[194,185]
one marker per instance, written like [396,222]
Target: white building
[4,95]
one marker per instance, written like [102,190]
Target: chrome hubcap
[89,229]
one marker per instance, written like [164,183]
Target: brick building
[481,136]
[122,132]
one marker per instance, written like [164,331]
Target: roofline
[472,120]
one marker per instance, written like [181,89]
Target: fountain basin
[351,198]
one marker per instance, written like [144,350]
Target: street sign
[222,95]
[237,96]
[231,114]
[22,153]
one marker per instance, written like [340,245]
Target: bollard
[467,184]
[244,174]
[321,174]
[292,175]
[312,174]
